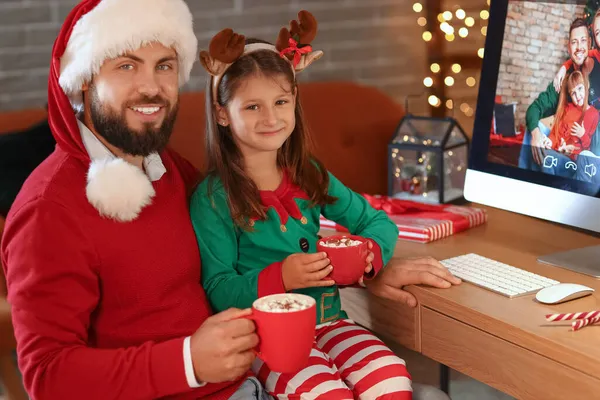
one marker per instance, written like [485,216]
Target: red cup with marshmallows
[348,256]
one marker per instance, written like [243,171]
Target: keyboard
[501,278]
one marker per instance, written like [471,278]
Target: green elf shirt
[239,266]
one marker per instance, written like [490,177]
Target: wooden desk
[505,343]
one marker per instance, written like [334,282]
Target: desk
[505,343]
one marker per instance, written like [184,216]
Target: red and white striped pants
[346,362]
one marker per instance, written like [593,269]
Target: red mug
[348,263]
[286,338]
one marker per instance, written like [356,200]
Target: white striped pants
[346,362]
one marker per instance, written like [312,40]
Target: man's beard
[113,126]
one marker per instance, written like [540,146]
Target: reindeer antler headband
[293,44]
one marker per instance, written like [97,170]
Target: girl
[575,120]
[256,215]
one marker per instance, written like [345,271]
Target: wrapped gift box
[419,222]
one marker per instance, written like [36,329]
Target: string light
[450,37]
[463,32]
[434,100]
[484,14]
[449,104]
[435,68]
[469,112]
[446,28]
[417,7]
[488,2]
[427,36]
[428,82]
[469,21]
[471,81]
[440,17]
[484,30]
[460,13]
[449,81]
[480,53]
[447,15]
[464,107]
[422,21]
[456,68]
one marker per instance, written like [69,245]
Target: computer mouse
[562,292]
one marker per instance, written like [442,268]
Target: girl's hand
[369,261]
[558,79]
[303,270]
[567,149]
[578,130]
[547,143]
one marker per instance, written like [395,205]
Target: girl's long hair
[570,82]
[225,160]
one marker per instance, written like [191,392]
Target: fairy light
[446,28]
[434,100]
[460,13]
[428,82]
[427,36]
[456,68]
[450,37]
[447,15]
[480,53]
[449,81]
[417,7]
[435,68]
[422,21]
[484,14]
[440,17]
[449,104]
[464,107]
[463,32]
[484,30]
[471,81]
[469,21]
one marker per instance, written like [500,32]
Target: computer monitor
[536,150]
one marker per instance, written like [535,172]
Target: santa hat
[95,31]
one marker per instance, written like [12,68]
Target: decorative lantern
[427,160]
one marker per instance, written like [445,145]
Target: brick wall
[374,42]
[534,48]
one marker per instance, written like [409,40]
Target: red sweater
[101,308]
[574,114]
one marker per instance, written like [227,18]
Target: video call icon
[550,161]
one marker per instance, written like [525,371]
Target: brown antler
[224,48]
[306,29]
[304,32]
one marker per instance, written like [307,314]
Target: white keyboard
[496,276]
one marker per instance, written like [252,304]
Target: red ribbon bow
[393,206]
[297,51]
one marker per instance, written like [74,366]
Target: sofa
[350,124]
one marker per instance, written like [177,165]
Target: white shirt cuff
[189,366]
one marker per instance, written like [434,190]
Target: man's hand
[223,347]
[558,79]
[538,143]
[398,273]
[302,270]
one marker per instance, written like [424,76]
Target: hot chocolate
[283,303]
[340,242]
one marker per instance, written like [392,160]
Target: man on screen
[545,105]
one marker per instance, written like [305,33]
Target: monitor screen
[538,111]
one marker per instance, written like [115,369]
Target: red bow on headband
[297,51]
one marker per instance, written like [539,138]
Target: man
[102,265]
[532,153]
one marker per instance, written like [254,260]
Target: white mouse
[562,292]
